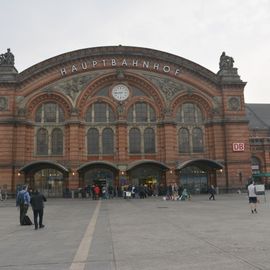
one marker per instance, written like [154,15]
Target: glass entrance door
[49,182]
[194,180]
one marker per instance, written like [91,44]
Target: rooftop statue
[7,58]
[226,62]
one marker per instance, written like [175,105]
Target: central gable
[121,57]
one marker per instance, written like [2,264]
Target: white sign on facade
[238,147]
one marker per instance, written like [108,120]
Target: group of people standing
[36,200]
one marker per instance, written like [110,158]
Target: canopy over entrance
[203,164]
[86,166]
[146,161]
[261,175]
[43,164]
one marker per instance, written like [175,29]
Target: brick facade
[77,80]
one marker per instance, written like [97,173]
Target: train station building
[127,115]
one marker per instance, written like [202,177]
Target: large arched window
[49,113]
[99,112]
[134,141]
[93,141]
[42,141]
[149,140]
[141,112]
[197,140]
[255,165]
[183,138]
[107,141]
[57,141]
[189,113]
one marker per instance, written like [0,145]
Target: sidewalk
[143,234]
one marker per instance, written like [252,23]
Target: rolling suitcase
[27,221]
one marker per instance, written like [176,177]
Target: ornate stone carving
[167,111]
[120,109]
[120,75]
[71,87]
[227,73]
[216,105]
[3,103]
[7,58]
[225,62]
[168,87]
[21,112]
[234,104]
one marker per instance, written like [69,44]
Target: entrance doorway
[194,179]
[99,176]
[151,175]
[50,182]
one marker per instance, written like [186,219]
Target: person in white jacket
[252,197]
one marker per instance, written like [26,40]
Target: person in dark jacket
[212,192]
[37,203]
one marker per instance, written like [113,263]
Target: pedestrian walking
[1,198]
[23,202]
[96,192]
[37,203]
[212,192]
[252,197]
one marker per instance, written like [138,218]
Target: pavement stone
[143,234]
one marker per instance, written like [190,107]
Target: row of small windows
[259,141]
[104,144]
[101,112]
[50,142]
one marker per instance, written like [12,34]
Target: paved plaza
[144,234]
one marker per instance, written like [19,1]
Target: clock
[120,92]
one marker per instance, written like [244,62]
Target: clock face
[120,92]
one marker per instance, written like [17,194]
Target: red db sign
[238,147]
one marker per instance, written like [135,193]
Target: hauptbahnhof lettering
[128,116]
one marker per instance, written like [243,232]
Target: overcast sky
[199,30]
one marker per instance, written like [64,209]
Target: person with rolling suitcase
[23,202]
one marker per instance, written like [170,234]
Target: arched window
[38,116]
[197,140]
[189,113]
[99,112]
[134,141]
[49,113]
[93,141]
[149,140]
[141,112]
[255,165]
[42,141]
[152,114]
[107,141]
[57,141]
[183,139]
[49,140]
